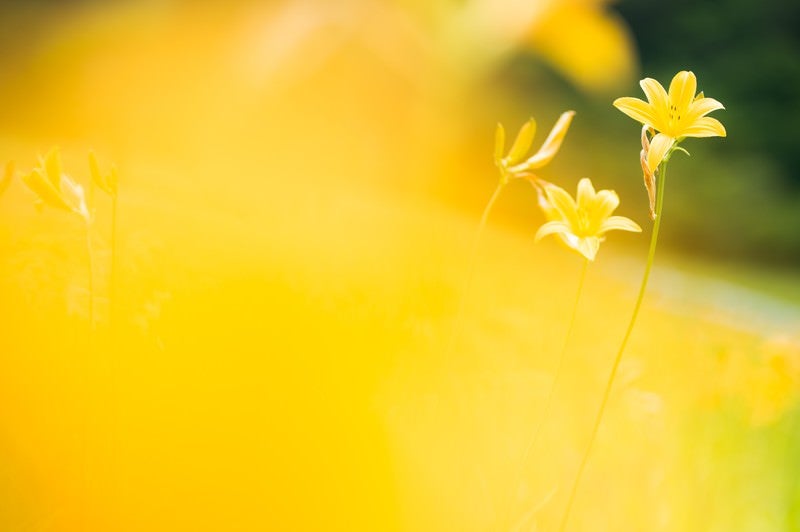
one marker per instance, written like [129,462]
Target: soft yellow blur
[273,356]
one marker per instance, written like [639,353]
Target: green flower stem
[662,176]
[548,402]
[471,272]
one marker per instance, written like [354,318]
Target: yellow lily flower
[54,188]
[675,115]
[582,224]
[513,165]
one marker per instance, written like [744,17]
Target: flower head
[582,224]
[54,188]
[514,164]
[675,114]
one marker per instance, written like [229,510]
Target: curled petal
[553,227]
[645,139]
[619,223]
[705,127]
[649,183]
[682,89]
[552,143]
[659,147]
[637,109]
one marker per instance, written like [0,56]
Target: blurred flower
[674,115]
[582,224]
[8,175]
[54,188]
[588,43]
[513,165]
[107,183]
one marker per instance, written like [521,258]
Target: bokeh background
[300,184]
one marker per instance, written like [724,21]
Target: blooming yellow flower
[674,115]
[513,165]
[54,188]
[582,224]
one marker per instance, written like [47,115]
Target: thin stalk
[548,402]
[471,272]
[662,176]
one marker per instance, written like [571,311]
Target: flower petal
[52,166]
[588,247]
[702,107]
[681,91]
[551,144]
[705,127]
[659,146]
[522,143]
[586,193]
[499,141]
[659,102]
[656,95]
[553,227]
[603,205]
[637,109]
[620,223]
[563,202]
[45,190]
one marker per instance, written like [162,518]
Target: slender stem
[553,386]
[471,273]
[662,176]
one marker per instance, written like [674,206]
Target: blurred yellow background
[300,182]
